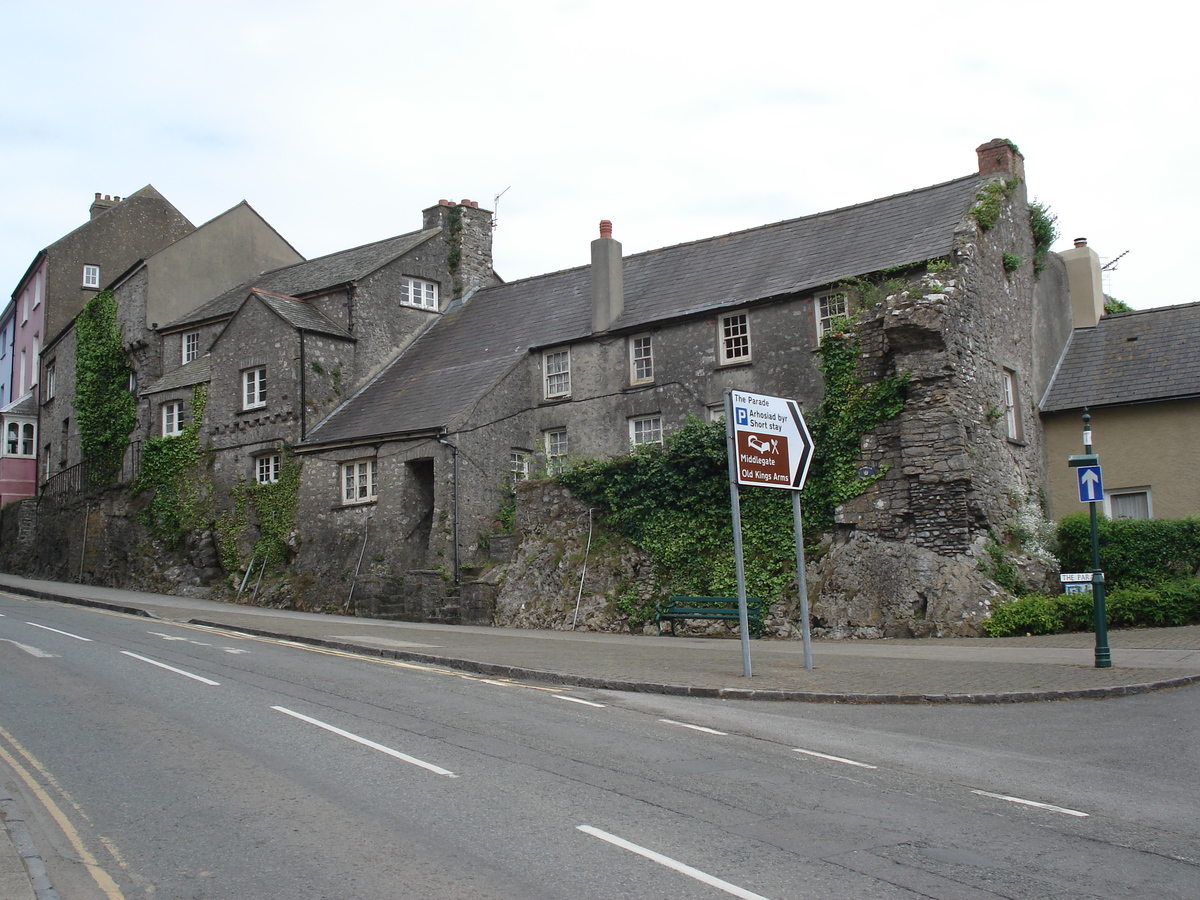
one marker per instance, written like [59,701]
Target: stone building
[55,287]
[518,377]
[223,252]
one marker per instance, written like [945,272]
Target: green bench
[721,609]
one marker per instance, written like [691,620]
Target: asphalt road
[159,759]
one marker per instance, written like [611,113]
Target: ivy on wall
[172,469]
[673,500]
[273,506]
[849,410]
[105,409]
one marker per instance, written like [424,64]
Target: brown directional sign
[772,442]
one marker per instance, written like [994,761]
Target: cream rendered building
[1138,376]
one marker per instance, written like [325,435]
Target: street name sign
[771,440]
[1074,577]
[1091,484]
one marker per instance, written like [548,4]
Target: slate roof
[1133,357]
[445,371]
[22,406]
[301,314]
[311,276]
[198,371]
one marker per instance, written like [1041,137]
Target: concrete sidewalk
[969,670]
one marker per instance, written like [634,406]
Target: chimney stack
[100,205]
[608,290]
[1000,157]
[1085,283]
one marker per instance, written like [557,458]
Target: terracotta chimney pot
[605,228]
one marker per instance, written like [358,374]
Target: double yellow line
[101,877]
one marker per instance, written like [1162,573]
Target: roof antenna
[1108,268]
[496,206]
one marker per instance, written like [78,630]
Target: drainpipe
[454,449]
[303,420]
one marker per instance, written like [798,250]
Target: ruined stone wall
[956,469]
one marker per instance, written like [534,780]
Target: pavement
[946,670]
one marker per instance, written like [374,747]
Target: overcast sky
[340,121]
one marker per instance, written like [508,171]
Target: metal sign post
[769,446]
[1091,490]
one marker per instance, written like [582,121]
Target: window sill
[735,364]
[359,505]
[551,401]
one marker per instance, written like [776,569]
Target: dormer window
[418,292]
[91,277]
[191,346]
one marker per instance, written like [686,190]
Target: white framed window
[91,276]
[645,430]
[733,338]
[556,451]
[38,289]
[518,465]
[21,375]
[131,384]
[557,366]
[266,468]
[358,481]
[254,388]
[37,363]
[25,307]
[1012,405]
[51,380]
[1128,503]
[172,419]
[419,292]
[191,346]
[19,439]
[641,359]
[828,306]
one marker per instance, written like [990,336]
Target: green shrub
[1167,604]
[1031,614]
[1132,551]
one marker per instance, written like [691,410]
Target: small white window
[28,433]
[25,307]
[51,380]
[418,292]
[19,439]
[254,388]
[191,346]
[267,469]
[1129,504]
[37,364]
[21,375]
[91,276]
[518,462]
[172,419]
[12,439]
[734,338]
[645,430]
[1012,408]
[557,366]
[829,306]
[556,451]
[38,288]
[358,481]
[641,359]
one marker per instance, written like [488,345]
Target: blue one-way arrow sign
[1091,485]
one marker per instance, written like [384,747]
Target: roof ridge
[752,229]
